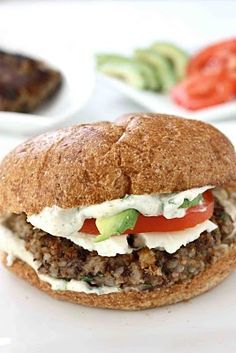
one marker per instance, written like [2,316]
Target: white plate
[162,103]
[33,322]
[77,68]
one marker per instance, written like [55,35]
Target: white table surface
[32,322]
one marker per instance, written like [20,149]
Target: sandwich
[131,214]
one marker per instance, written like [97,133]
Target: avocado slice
[102,59]
[178,57]
[153,82]
[162,67]
[135,72]
[115,225]
[126,72]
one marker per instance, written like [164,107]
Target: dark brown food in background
[25,83]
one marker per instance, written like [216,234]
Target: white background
[32,322]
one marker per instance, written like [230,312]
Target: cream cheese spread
[172,241]
[118,244]
[63,222]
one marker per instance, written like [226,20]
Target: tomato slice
[213,56]
[204,89]
[194,215]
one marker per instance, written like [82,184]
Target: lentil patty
[143,269]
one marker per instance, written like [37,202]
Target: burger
[132,214]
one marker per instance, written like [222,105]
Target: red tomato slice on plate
[204,90]
[213,57]
[194,215]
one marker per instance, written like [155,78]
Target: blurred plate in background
[162,103]
[77,69]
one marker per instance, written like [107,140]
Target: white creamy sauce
[77,286]
[10,259]
[117,244]
[226,199]
[15,248]
[114,245]
[63,222]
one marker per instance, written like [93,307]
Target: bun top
[92,163]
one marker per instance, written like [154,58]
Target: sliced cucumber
[163,69]
[178,57]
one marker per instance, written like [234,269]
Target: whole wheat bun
[135,300]
[91,163]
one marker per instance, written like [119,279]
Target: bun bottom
[135,300]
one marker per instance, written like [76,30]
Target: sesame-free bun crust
[134,300]
[91,163]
